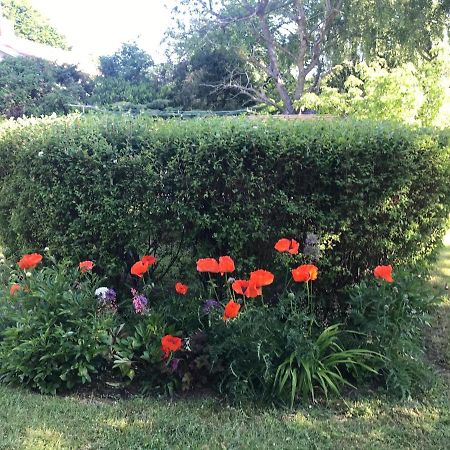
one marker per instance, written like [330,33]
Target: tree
[30,24]
[407,93]
[199,82]
[130,63]
[398,31]
[290,44]
[129,75]
[34,87]
[287,38]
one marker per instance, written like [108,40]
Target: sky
[98,27]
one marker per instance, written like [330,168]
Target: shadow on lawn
[54,423]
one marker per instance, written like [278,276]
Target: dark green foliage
[398,31]
[277,353]
[30,24]
[112,90]
[127,76]
[129,63]
[199,82]
[244,353]
[34,87]
[111,189]
[56,338]
[137,350]
[393,317]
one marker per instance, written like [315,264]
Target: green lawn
[31,421]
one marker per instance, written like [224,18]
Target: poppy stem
[211,282]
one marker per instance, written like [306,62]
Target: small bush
[393,317]
[55,337]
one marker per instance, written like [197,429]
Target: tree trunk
[273,69]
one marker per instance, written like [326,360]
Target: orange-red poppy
[85,266]
[248,288]
[287,245]
[29,261]
[208,265]
[261,277]
[149,260]
[305,272]
[14,288]
[170,344]
[226,264]
[139,269]
[231,310]
[384,273]
[181,288]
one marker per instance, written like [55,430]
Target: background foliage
[34,87]
[30,24]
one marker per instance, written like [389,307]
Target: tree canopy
[289,44]
[30,24]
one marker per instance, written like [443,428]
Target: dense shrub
[392,318]
[34,87]
[109,91]
[112,189]
[53,335]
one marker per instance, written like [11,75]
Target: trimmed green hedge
[110,188]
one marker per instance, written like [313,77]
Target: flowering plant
[182,338]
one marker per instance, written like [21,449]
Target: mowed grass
[30,421]
[373,421]
[439,335]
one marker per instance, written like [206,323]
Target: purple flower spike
[140,302]
[210,305]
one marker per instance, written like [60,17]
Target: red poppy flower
[14,288]
[181,288]
[149,260]
[231,310]
[287,245]
[29,261]
[305,272]
[139,269]
[226,265]
[384,273]
[170,344]
[208,265]
[261,277]
[85,266]
[247,288]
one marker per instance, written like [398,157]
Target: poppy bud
[291,296]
